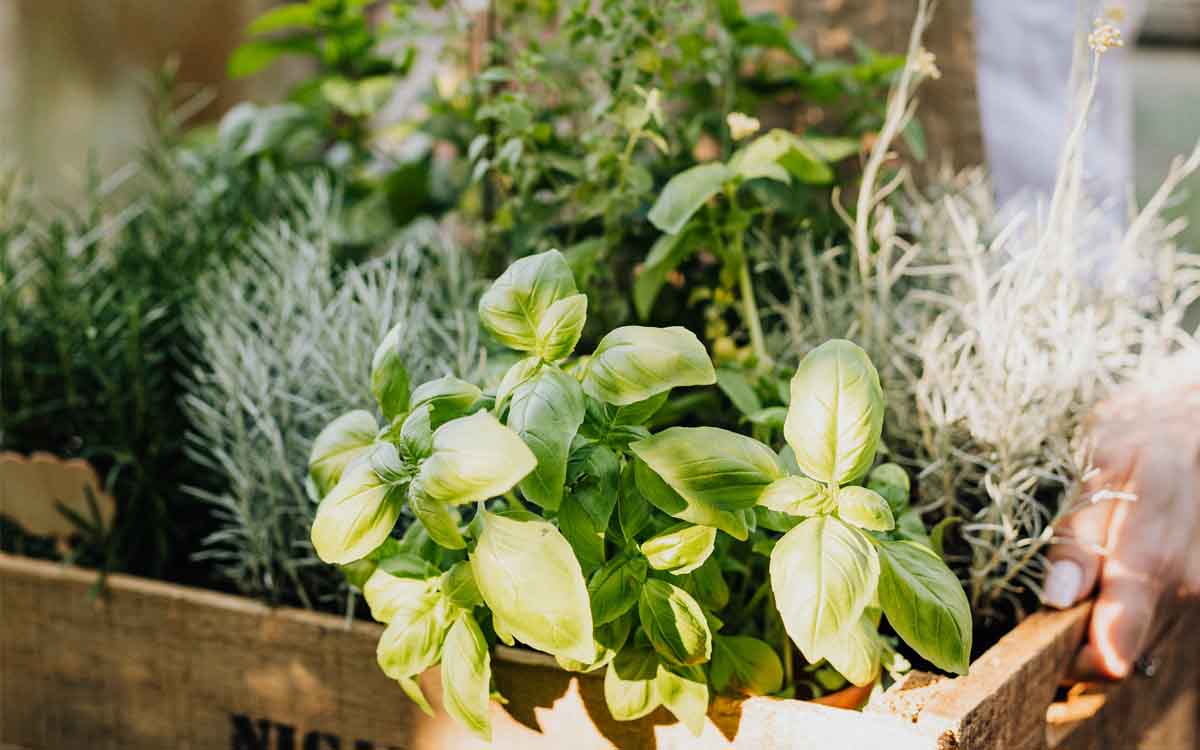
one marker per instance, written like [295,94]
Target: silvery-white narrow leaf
[891,481]
[467,676]
[856,655]
[337,446]
[925,604]
[358,514]
[630,683]
[560,328]
[389,378]
[545,412]
[796,496]
[474,458]
[711,466]
[633,363]
[684,692]
[865,509]
[513,306]
[680,549]
[823,574]
[412,641]
[674,623]
[836,413]
[528,576]
[386,594]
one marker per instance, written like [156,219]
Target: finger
[1075,558]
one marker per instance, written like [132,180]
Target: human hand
[1142,552]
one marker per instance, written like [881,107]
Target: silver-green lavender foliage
[283,335]
[996,335]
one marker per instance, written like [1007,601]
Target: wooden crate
[152,665]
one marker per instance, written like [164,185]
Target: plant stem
[511,496]
[750,313]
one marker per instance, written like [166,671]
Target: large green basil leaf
[633,363]
[337,446]
[447,397]
[593,474]
[561,327]
[685,193]
[836,413]
[630,687]
[823,574]
[684,692]
[796,496]
[467,676]
[582,534]
[513,306]
[474,458]
[438,519]
[530,579]
[856,655]
[680,549]
[633,510]
[890,481]
[546,411]
[674,623]
[864,508]
[389,378]
[925,604]
[662,496]
[358,514]
[745,666]
[707,585]
[710,466]
[412,641]
[386,593]
[614,588]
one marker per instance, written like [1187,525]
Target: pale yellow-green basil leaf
[760,157]
[630,683]
[925,604]
[545,412]
[412,641]
[856,655]
[662,496]
[513,306]
[680,549]
[560,328]
[337,446]
[389,378]
[358,514]
[386,594]
[836,413]
[865,509]
[467,676]
[438,519]
[711,466]
[520,372]
[416,433]
[610,639]
[742,665]
[447,397]
[674,623]
[891,481]
[796,496]
[633,363]
[413,690]
[530,579]
[474,458]
[684,692]
[685,193]
[823,574]
[459,588]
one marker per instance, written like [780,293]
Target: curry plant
[676,563]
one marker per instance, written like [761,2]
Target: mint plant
[681,563]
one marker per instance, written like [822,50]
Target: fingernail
[1062,584]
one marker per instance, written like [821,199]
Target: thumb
[1075,557]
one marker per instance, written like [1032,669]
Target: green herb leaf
[412,641]
[925,604]
[856,655]
[338,445]
[412,689]
[665,255]
[865,509]
[742,665]
[389,378]
[467,676]
[447,397]
[458,587]
[680,549]
[684,692]
[823,574]
[633,363]
[582,534]
[710,466]
[474,458]
[760,157]
[662,496]
[438,519]
[387,594]
[630,683]
[358,513]
[530,579]
[287,16]
[615,587]
[633,510]
[545,412]
[707,585]
[514,305]
[740,392]
[836,413]
[796,496]
[891,481]
[685,193]
[674,623]
[560,328]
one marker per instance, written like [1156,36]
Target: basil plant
[678,564]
